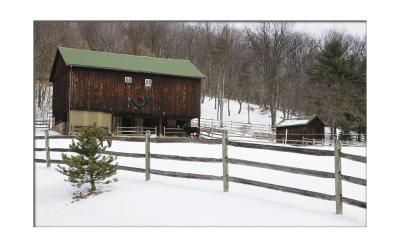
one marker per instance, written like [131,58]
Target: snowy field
[168,201]
[257,115]
[165,201]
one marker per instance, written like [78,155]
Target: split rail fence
[225,160]
[43,124]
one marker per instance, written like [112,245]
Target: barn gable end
[88,84]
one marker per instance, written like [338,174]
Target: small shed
[298,129]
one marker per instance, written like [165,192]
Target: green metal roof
[299,121]
[125,62]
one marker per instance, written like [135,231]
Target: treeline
[270,63]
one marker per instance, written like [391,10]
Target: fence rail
[42,124]
[135,131]
[211,128]
[338,176]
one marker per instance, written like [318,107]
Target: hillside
[257,115]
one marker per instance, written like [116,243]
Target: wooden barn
[117,90]
[299,129]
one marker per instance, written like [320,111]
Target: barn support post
[225,160]
[338,177]
[46,135]
[286,136]
[198,125]
[147,151]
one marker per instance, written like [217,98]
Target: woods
[271,64]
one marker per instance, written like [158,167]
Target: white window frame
[148,82]
[128,80]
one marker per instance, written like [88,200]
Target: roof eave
[137,71]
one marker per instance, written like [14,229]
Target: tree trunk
[229,110]
[221,111]
[248,112]
[215,103]
[218,109]
[273,116]
[203,97]
[92,186]
[240,107]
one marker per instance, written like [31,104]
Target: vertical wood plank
[225,160]
[147,151]
[46,134]
[338,177]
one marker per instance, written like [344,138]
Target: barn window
[128,80]
[147,82]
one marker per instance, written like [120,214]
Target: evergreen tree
[89,166]
[336,87]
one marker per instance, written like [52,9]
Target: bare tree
[268,42]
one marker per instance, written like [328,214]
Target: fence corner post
[147,151]
[338,177]
[225,176]
[46,135]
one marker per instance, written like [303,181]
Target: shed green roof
[125,62]
[299,121]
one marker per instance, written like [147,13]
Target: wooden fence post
[46,135]
[147,151]
[338,178]
[225,160]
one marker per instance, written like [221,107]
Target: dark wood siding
[60,91]
[314,130]
[106,90]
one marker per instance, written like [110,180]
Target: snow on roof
[295,121]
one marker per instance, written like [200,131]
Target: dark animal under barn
[110,90]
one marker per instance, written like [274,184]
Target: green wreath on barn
[139,101]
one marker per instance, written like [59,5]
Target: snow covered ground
[257,116]
[165,201]
[168,201]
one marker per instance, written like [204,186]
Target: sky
[319,28]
